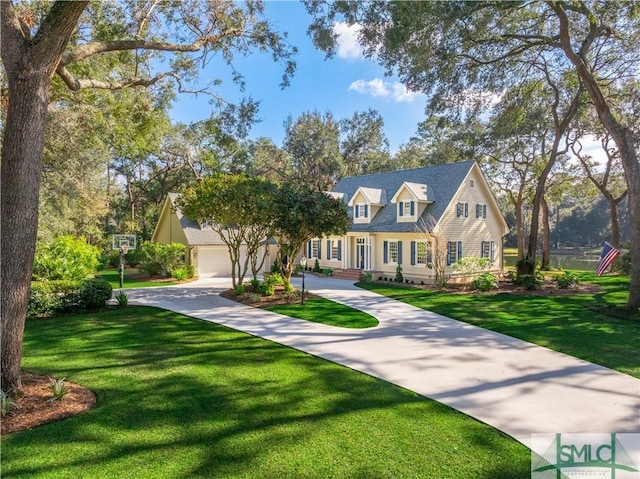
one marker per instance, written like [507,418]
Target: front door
[360,253]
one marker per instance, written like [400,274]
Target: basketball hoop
[124,248]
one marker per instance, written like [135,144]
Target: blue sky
[343,85]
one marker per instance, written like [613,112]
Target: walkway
[512,385]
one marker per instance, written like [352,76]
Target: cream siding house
[205,249]
[389,210]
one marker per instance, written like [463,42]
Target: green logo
[584,456]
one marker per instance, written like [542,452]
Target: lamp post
[303,263]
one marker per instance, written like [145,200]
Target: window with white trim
[462,209]
[362,210]
[423,252]
[334,250]
[488,250]
[315,248]
[454,252]
[393,251]
[407,208]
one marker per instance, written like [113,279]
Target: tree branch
[12,35]
[55,31]
[92,48]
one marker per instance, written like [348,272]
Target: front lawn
[573,324]
[179,397]
[325,311]
[133,279]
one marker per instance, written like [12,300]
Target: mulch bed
[280,297]
[34,407]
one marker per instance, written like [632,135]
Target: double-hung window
[423,252]
[362,210]
[315,249]
[392,252]
[487,249]
[454,251]
[333,249]
[406,208]
[462,209]
[481,211]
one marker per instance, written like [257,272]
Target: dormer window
[361,210]
[406,208]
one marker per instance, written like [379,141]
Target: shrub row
[48,298]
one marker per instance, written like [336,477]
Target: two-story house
[390,212]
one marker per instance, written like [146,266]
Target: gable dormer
[411,199]
[366,203]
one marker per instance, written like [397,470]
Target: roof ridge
[456,163]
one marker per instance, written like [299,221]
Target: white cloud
[348,46]
[380,88]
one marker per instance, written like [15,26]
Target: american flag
[608,255]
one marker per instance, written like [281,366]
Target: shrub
[565,280]
[254,297]
[181,273]
[275,266]
[151,259]
[288,288]
[367,277]
[327,271]
[399,277]
[162,259]
[58,388]
[255,284]
[316,266]
[472,265]
[622,264]
[485,282]
[6,403]
[51,297]
[112,258]
[42,301]
[268,285]
[172,256]
[66,258]
[122,299]
[239,289]
[94,294]
[133,257]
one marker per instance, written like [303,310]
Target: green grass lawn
[182,398]
[320,310]
[113,276]
[571,324]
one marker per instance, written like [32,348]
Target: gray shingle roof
[195,235]
[442,183]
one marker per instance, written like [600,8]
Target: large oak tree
[61,39]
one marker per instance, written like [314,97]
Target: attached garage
[206,250]
[212,261]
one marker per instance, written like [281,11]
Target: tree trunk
[615,223]
[624,139]
[29,65]
[546,241]
[519,229]
[21,168]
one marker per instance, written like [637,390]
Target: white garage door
[213,261]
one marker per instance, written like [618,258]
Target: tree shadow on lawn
[183,398]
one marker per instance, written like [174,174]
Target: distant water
[580,262]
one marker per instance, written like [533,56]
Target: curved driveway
[512,385]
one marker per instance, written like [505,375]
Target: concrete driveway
[514,386]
